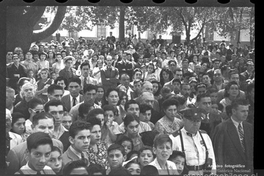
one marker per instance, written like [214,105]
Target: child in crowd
[149,170]
[77,167]
[133,168]
[179,159]
[96,169]
[116,157]
[163,149]
[127,143]
[55,161]
[110,127]
[146,156]
[145,115]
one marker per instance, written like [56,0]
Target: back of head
[53,103]
[53,87]
[149,170]
[68,168]
[88,88]
[95,112]
[34,102]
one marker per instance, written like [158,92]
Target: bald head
[147,98]
[147,87]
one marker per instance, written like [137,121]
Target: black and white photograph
[130,90]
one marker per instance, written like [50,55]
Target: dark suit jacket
[227,146]
[65,140]
[66,101]
[68,156]
[109,77]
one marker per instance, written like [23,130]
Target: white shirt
[236,125]
[76,101]
[28,171]
[194,148]
[172,169]
[16,139]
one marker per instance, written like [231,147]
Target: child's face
[53,76]
[134,169]
[214,106]
[145,117]
[127,145]
[115,159]
[44,74]
[180,162]
[146,157]
[101,118]
[109,116]
[55,161]
[163,151]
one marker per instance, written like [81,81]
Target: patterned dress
[166,126]
[99,157]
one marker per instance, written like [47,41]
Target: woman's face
[171,112]
[55,161]
[233,90]
[100,93]
[165,75]
[150,69]
[195,59]
[146,157]
[44,74]
[138,75]
[155,87]
[96,134]
[50,54]
[113,98]
[19,126]
[123,100]
[132,128]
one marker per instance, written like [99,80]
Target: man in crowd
[55,92]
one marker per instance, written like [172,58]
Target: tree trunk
[122,23]
[20,26]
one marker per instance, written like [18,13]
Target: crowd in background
[111,107]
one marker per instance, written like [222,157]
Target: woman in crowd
[165,76]
[55,161]
[100,95]
[51,57]
[42,84]
[18,125]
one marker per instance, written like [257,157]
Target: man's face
[185,64]
[172,66]
[206,79]
[28,92]
[178,75]
[85,70]
[115,158]
[146,116]
[44,125]
[147,88]
[57,94]
[137,86]
[74,89]
[134,109]
[235,77]
[148,99]
[186,90]
[66,121]
[217,75]
[81,141]
[155,87]
[10,98]
[57,113]
[191,126]
[216,64]
[205,103]
[68,64]
[138,75]
[38,158]
[89,97]
[109,61]
[125,80]
[213,96]
[240,113]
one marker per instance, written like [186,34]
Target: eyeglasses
[37,111]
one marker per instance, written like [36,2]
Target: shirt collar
[236,123]
[76,152]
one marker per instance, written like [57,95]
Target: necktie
[74,101]
[241,136]
[38,173]
[84,159]
[84,82]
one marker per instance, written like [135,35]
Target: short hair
[132,152]
[175,154]
[95,168]
[68,168]
[89,87]
[109,108]
[144,107]
[180,99]
[84,109]
[77,126]
[176,80]
[95,112]
[212,90]
[53,103]
[84,64]
[111,90]
[37,139]
[239,102]
[10,90]
[116,147]
[130,118]
[16,116]
[129,102]
[200,96]
[41,116]
[178,69]
[60,78]
[125,138]
[185,84]
[75,79]
[34,102]
[94,121]
[169,102]
[227,87]
[53,87]
[149,170]
[161,139]
[146,148]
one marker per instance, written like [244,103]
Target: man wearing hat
[195,143]
[68,71]
[39,147]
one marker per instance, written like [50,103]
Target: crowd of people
[105,107]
